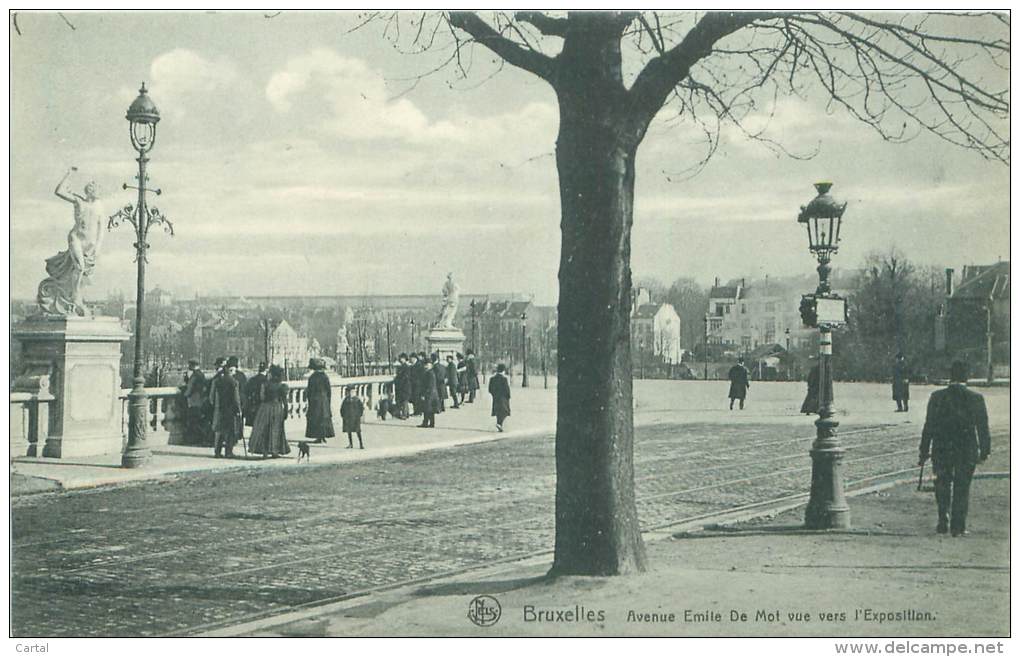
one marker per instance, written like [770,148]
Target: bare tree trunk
[597,530]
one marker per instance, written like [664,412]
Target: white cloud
[355,97]
[181,72]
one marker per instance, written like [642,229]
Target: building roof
[992,281]
[647,310]
[724,292]
[515,308]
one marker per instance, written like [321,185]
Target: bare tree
[899,74]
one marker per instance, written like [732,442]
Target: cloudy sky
[297,157]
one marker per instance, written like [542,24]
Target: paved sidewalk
[891,575]
[534,413]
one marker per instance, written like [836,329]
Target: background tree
[896,73]
[892,309]
[690,301]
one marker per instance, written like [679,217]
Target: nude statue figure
[61,293]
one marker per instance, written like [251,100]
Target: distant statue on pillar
[60,294]
[451,299]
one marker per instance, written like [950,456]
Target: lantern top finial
[143,110]
[822,206]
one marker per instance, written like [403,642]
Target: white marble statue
[451,299]
[61,292]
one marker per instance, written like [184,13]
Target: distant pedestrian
[956,437]
[351,410]
[901,384]
[812,402]
[218,366]
[195,396]
[242,386]
[462,380]
[499,388]
[252,395]
[268,437]
[738,383]
[430,396]
[226,399]
[414,377]
[319,416]
[439,371]
[472,376]
[402,385]
[451,380]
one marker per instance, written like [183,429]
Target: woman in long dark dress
[268,437]
[320,414]
[810,405]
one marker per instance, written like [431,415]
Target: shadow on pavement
[717,531]
[478,588]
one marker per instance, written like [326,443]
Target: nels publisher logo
[484,611]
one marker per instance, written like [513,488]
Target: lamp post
[789,359]
[142,118]
[827,507]
[524,349]
[706,346]
[389,348]
[412,335]
[474,330]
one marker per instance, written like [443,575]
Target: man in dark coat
[195,396]
[319,416]
[439,371]
[253,395]
[430,396]
[738,383]
[811,401]
[351,410]
[226,400]
[499,388]
[402,385]
[901,384]
[242,385]
[414,370]
[472,376]
[956,436]
[451,380]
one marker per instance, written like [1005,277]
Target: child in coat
[351,410]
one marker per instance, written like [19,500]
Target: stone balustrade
[29,422]
[30,412]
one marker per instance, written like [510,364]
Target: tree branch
[547,25]
[653,85]
[529,60]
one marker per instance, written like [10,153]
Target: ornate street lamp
[524,349]
[142,117]
[474,329]
[827,507]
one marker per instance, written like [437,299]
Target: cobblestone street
[207,550]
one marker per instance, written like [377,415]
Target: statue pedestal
[81,357]
[445,342]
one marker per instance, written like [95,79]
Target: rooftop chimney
[717,281]
[949,282]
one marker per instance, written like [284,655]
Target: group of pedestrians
[221,406]
[423,383]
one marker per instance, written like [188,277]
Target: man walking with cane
[956,436]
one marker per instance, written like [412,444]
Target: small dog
[303,451]
[385,406]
